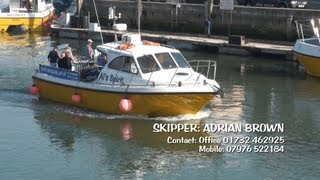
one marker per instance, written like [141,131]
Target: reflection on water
[308,88]
[121,128]
[232,105]
[33,40]
[125,148]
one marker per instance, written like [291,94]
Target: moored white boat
[307,50]
[30,14]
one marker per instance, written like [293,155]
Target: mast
[139,7]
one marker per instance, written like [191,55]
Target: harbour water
[44,139]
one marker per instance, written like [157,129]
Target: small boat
[307,47]
[29,14]
[140,78]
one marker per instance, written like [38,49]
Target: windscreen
[181,61]
[165,60]
[148,64]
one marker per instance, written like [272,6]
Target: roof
[136,50]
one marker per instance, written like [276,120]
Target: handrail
[175,72]
[168,46]
[149,78]
[203,67]
[204,64]
[308,28]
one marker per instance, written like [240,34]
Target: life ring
[126,46]
[150,43]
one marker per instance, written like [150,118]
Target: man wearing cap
[89,51]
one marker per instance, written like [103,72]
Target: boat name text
[16,15]
[111,78]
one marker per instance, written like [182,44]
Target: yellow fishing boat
[30,14]
[140,78]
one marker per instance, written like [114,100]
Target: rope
[33,65]
[95,9]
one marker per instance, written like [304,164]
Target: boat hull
[145,104]
[33,23]
[311,64]
[308,53]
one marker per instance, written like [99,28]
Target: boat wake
[90,114]
[205,113]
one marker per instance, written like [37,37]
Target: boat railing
[133,79]
[207,68]
[308,29]
[19,10]
[203,67]
[168,46]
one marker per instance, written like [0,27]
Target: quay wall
[254,22]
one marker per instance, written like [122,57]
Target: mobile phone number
[255,148]
[254,140]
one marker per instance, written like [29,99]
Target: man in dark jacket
[53,57]
[65,62]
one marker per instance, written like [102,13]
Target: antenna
[112,15]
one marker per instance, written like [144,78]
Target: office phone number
[255,140]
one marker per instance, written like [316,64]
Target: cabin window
[124,63]
[181,61]
[165,60]
[148,64]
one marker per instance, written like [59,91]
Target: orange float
[125,105]
[76,98]
[150,43]
[34,89]
[126,46]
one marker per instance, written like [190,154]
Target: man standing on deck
[53,57]
[89,51]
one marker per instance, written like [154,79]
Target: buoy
[76,98]
[34,89]
[45,24]
[125,105]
